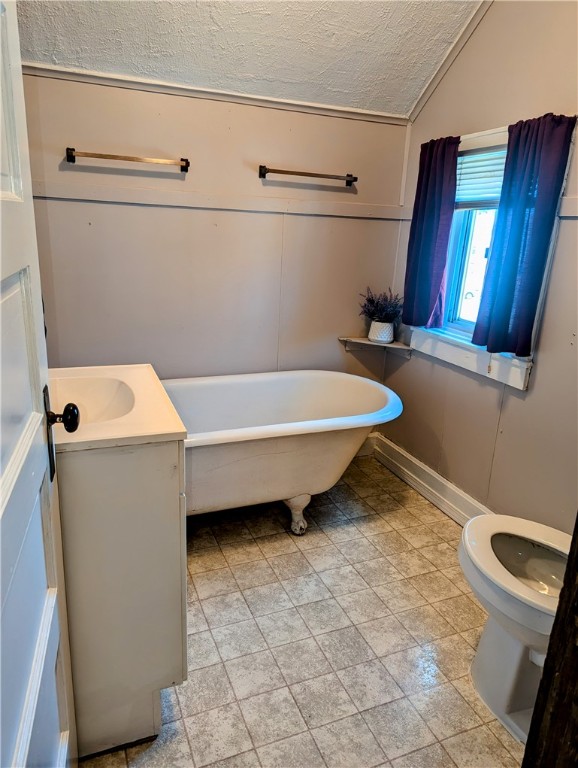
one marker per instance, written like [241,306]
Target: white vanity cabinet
[123,527]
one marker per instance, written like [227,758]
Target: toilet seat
[477,541]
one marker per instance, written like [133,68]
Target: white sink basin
[98,398]
[118,404]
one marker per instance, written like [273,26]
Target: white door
[36,720]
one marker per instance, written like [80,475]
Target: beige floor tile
[420,535]
[445,711]
[313,539]
[115,759]
[200,537]
[341,492]
[383,502]
[290,566]
[364,487]
[324,616]
[242,552]
[369,684]
[466,689]
[425,624]
[401,519]
[410,563]
[448,530]
[282,627]
[345,647]
[306,589]
[456,576]
[398,727]
[363,606]
[341,531]
[298,751]
[386,635]
[441,555]
[196,621]
[429,757]
[205,689]
[378,571]
[228,532]
[169,750]
[205,560]
[356,508]
[272,716]
[201,651]
[254,674]
[409,497]
[277,544]
[217,734]
[462,612]
[428,513]
[324,558]
[472,636]
[349,742]
[327,514]
[391,484]
[322,700]
[225,609]
[267,598]
[239,639]
[341,581]
[478,748]
[265,524]
[390,543]
[170,710]
[301,660]
[434,586]
[213,583]
[400,595]
[253,574]
[244,760]
[372,526]
[514,747]
[453,655]
[414,669]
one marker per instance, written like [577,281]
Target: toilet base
[506,678]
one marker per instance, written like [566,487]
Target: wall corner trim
[38,69]
[450,57]
[456,503]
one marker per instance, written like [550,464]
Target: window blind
[480,176]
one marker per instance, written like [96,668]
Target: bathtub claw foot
[297,504]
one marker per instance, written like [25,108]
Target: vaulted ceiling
[375,55]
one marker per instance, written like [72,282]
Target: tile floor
[346,648]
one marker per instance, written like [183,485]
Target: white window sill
[456,350]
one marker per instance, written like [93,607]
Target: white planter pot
[382,332]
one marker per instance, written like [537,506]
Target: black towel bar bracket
[72,154]
[349,179]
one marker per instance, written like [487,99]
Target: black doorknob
[69,418]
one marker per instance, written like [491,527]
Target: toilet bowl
[515,568]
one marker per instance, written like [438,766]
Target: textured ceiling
[366,54]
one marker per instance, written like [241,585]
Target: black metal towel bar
[72,154]
[348,178]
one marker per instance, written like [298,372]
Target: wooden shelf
[356,343]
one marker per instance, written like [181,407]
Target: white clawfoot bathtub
[255,438]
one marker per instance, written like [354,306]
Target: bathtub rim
[391,410]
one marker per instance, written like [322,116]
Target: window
[480,173]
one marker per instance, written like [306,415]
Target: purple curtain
[424,292]
[533,176]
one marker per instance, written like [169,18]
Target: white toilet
[515,568]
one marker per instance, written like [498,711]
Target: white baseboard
[448,497]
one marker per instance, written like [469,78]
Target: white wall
[517,452]
[214,271]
